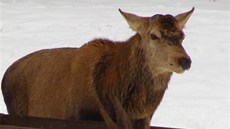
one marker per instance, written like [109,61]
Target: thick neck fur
[123,71]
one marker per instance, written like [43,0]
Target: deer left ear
[183,18]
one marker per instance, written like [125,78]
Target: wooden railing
[16,122]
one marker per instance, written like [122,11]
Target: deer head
[162,38]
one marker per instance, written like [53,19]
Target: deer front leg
[141,123]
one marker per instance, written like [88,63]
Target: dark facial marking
[169,29]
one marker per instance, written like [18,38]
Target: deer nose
[185,63]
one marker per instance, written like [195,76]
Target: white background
[197,99]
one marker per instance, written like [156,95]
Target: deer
[74,83]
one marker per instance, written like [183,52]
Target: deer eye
[154,37]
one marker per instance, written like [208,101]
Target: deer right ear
[135,22]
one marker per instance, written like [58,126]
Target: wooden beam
[14,127]
[16,122]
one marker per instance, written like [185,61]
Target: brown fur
[74,83]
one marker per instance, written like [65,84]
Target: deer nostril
[185,63]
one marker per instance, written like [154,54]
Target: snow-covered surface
[197,99]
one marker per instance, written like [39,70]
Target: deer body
[74,83]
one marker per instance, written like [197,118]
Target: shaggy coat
[74,83]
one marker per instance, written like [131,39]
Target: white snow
[197,99]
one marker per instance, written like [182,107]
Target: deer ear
[183,18]
[135,22]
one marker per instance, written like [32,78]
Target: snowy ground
[197,99]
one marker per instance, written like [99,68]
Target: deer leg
[141,123]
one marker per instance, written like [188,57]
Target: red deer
[73,83]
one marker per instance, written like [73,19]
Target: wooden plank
[15,127]
[47,123]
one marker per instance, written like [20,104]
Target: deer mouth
[181,65]
[177,68]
